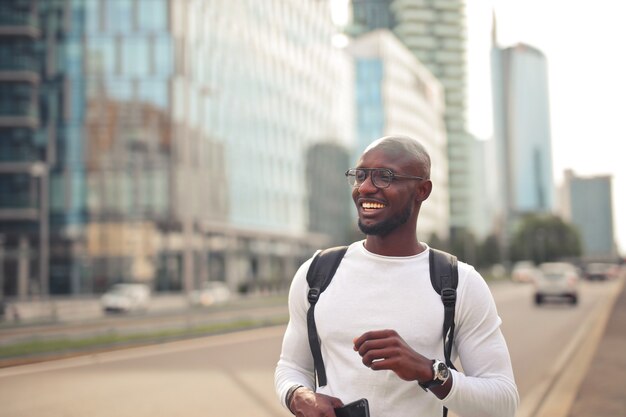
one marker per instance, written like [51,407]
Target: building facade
[162,141]
[434,31]
[587,203]
[522,133]
[398,95]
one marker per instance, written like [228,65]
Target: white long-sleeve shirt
[373,292]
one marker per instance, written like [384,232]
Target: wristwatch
[441,373]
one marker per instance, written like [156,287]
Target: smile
[372,205]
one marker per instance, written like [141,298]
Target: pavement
[590,378]
[603,389]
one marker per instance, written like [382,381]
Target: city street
[232,374]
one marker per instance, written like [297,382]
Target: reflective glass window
[57,202]
[101,55]
[154,92]
[135,56]
[152,15]
[119,16]
[121,90]
[163,56]
[92,16]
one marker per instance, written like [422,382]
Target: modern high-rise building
[434,31]
[396,94]
[162,141]
[37,136]
[370,15]
[587,202]
[522,133]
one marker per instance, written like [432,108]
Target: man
[380,321]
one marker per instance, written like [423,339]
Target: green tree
[489,252]
[545,238]
[463,244]
[434,241]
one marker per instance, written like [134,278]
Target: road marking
[145,351]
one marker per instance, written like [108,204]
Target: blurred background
[175,142]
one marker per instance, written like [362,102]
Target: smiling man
[380,320]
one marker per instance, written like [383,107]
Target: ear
[424,189]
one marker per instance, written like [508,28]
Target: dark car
[600,271]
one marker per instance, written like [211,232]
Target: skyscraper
[588,205]
[522,132]
[434,31]
[396,94]
[33,111]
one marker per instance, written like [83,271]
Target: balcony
[15,22]
[27,121]
[19,75]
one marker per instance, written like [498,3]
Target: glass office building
[434,31]
[397,95]
[588,204]
[162,141]
[522,133]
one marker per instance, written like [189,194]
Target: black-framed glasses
[381,177]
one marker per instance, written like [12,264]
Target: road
[232,374]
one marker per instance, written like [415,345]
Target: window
[152,15]
[135,56]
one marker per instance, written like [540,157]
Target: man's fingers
[370,337]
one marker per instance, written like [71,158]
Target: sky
[583,42]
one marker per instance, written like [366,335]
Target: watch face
[442,371]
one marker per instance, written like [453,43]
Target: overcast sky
[583,43]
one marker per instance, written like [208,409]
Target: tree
[545,238]
[489,251]
[463,244]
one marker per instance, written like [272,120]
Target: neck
[393,246]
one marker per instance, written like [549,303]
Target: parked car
[600,271]
[523,271]
[211,292]
[126,298]
[556,281]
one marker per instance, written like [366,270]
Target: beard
[386,226]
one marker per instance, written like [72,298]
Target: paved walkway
[603,390]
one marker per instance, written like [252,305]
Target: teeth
[372,205]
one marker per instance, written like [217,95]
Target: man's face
[383,210]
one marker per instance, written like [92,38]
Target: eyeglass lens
[381,178]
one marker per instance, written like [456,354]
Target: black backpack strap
[318,277]
[444,276]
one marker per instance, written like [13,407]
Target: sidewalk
[603,390]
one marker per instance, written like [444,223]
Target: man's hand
[306,403]
[385,349]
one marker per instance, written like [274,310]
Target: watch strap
[436,381]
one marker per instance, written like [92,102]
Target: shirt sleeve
[295,365]
[486,387]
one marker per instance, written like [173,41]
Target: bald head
[403,147]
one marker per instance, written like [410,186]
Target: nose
[367,186]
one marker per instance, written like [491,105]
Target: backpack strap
[319,275]
[444,277]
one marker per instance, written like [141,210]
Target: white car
[211,292]
[556,280]
[125,298]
